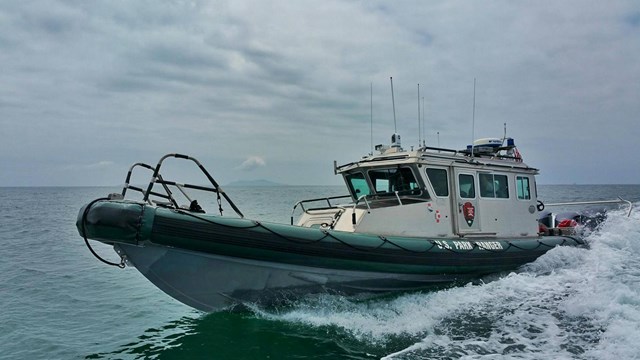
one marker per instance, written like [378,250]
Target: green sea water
[58,302]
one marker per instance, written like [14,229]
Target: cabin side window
[439,181]
[388,181]
[494,186]
[522,187]
[467,187]
[358,185]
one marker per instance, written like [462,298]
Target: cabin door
[466,202]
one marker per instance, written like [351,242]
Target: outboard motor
[554,224]
[546,219]
[545,222]
[566,222]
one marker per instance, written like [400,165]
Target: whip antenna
[424,125]
[473,117]
[393,102]
[371,110]
[395,138]
[419,128]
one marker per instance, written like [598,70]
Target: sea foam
[570,303]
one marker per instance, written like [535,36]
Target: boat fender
[540,206]
[353,218]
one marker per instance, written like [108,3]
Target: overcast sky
[279,89]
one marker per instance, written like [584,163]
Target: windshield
[388,181]
[358,185]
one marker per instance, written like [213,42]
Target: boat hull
[211,282]
[212,262]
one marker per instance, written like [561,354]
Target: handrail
[158,179]
[595,202]
[438,149]
[398,197]
[127,185]
[355,204]
[327,199]
[362,197]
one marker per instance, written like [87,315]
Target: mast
[419,125]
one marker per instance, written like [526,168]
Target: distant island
[249,183]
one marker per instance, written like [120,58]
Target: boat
[411,219]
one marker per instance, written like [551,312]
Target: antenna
[395,138]
[371,111]
[438,133]
[419,128]
[473,118]
[424,137]
[393,101]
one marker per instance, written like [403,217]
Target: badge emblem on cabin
[469,212]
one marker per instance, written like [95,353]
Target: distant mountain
[249,183]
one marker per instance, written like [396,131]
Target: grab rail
[127,185]
[327,199]
[158,179]
[353,210]
[619,201]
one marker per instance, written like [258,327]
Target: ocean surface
[58,302]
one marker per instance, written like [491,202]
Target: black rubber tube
[121,265]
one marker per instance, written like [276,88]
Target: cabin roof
[440,157]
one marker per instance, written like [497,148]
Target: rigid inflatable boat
[411,219]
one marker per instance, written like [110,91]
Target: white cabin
[482,191]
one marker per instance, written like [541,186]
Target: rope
[551,246]
[384,240]
[121,265]
[256,224]
[525,249]
[184,212]
[327,234]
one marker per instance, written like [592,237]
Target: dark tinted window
[467,187]
[390,180]
[493,186]
[438,179]
[522,187]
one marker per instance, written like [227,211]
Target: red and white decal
[469,212]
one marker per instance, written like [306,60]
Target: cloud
[99,165]
[103,164]
[290,81]
[252,163]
